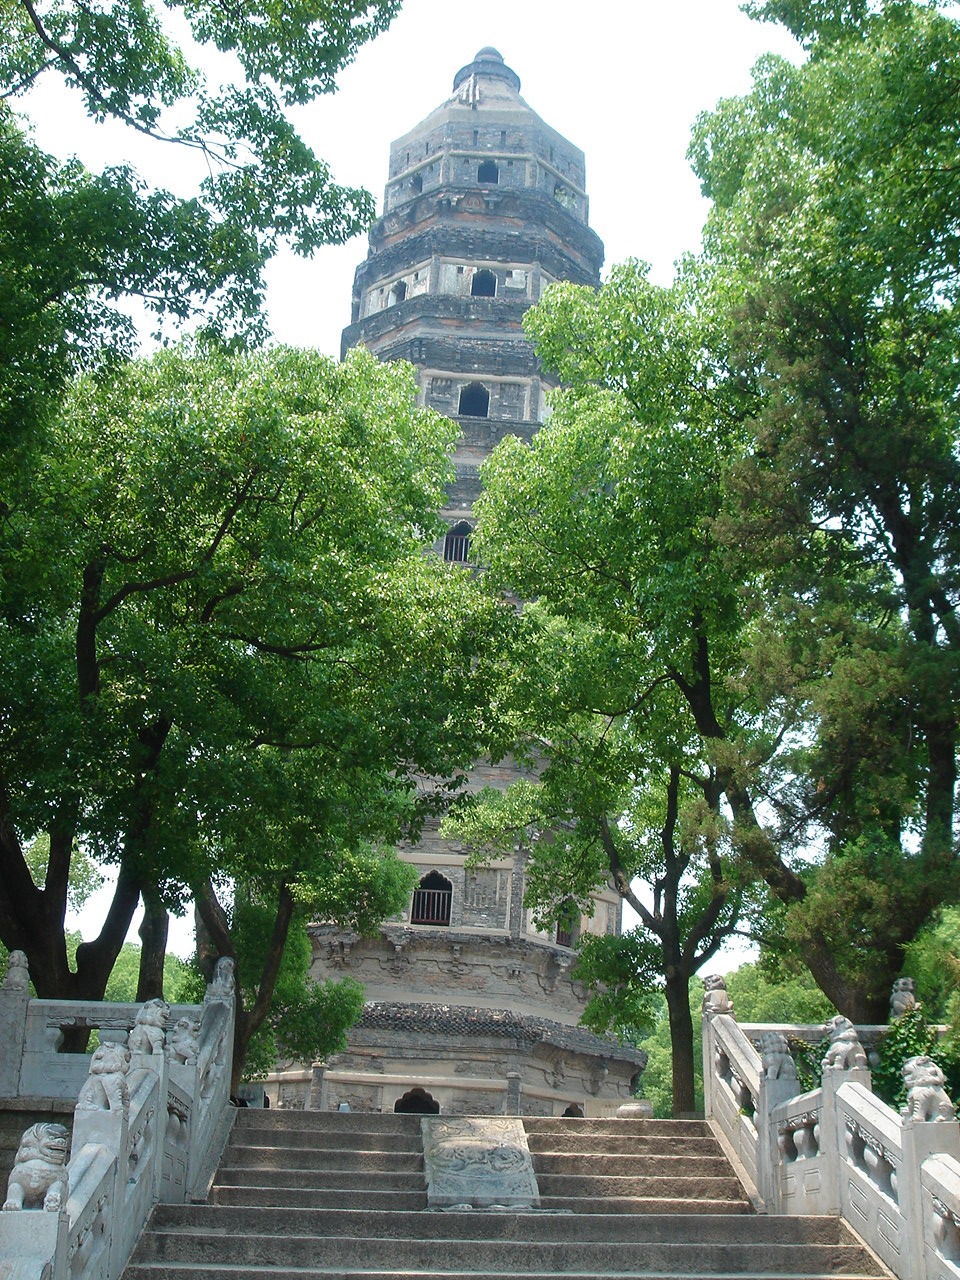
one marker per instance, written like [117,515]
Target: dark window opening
[416,184]
[474,401]
[484,284]
[456,545]
[568,925]
[397,293]
[488,172]
[431,902]
[416,1102]
[573,1112]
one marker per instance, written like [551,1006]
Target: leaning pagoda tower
[470,1009]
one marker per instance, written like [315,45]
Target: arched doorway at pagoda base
[418,1102]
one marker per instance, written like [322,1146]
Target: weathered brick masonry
[485,205]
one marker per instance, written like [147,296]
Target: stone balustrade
[152,1115]
[838,1149]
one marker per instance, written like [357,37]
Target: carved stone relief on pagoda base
[479,1161]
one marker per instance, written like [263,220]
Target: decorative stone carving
[926,1097]
[39,1177]
[777,1061]
[183,1041]
[17,977]
[480,1161]
[222,984]
[105,1088]
[845,1050]
[902,997]
[715,998]
[148,1031]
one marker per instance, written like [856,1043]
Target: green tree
[834,238]
[225,658]
[603,521]
[74,243]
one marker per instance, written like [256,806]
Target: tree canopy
[75,243]
[223,653]
[738,529]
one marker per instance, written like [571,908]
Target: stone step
[264,1135]
[642,1204]
[245,1156]
[609,1144]
[693,1188]
[308,1179]
[492,1225]
[163,1271]
[319,1198]
[618,1128]
[343,1122]
[498,1256]
[662,1164]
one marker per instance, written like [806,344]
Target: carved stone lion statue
[18,975]
[845,1050]
[147,1033]
[926,1097]
[222,984]
[39,1176]
[183,1041]
[902,997]
[105,1088]
[715,998]
[776,1058]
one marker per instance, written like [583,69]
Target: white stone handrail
[940,1208]
[895,1179]
[734,1088]
[148,1126]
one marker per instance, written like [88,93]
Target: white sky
[622,79]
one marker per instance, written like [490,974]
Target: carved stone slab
[478,1161]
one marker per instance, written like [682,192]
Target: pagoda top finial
[488,63]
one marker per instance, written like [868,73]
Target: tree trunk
[153,937]
[681,1041]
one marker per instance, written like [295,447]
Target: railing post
[715,1001]
[929,1128]
[14,998]
[778,1083]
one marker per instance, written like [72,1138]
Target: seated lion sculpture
[183,1041]
[926,1097]
[845,1050]
[223,983]
[902,997]
[715,998]
[148,1031]
[39,1176]
[776,1058]
[105,1088]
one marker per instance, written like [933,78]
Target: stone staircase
[318,1195]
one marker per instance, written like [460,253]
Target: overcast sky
[622,79]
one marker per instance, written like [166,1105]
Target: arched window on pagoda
[431,901]
[456,545]
[484,284]
[474,401]
[488,173]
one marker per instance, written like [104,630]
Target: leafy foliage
[73,243]
[229,659]
[836,251]
[910,1036]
